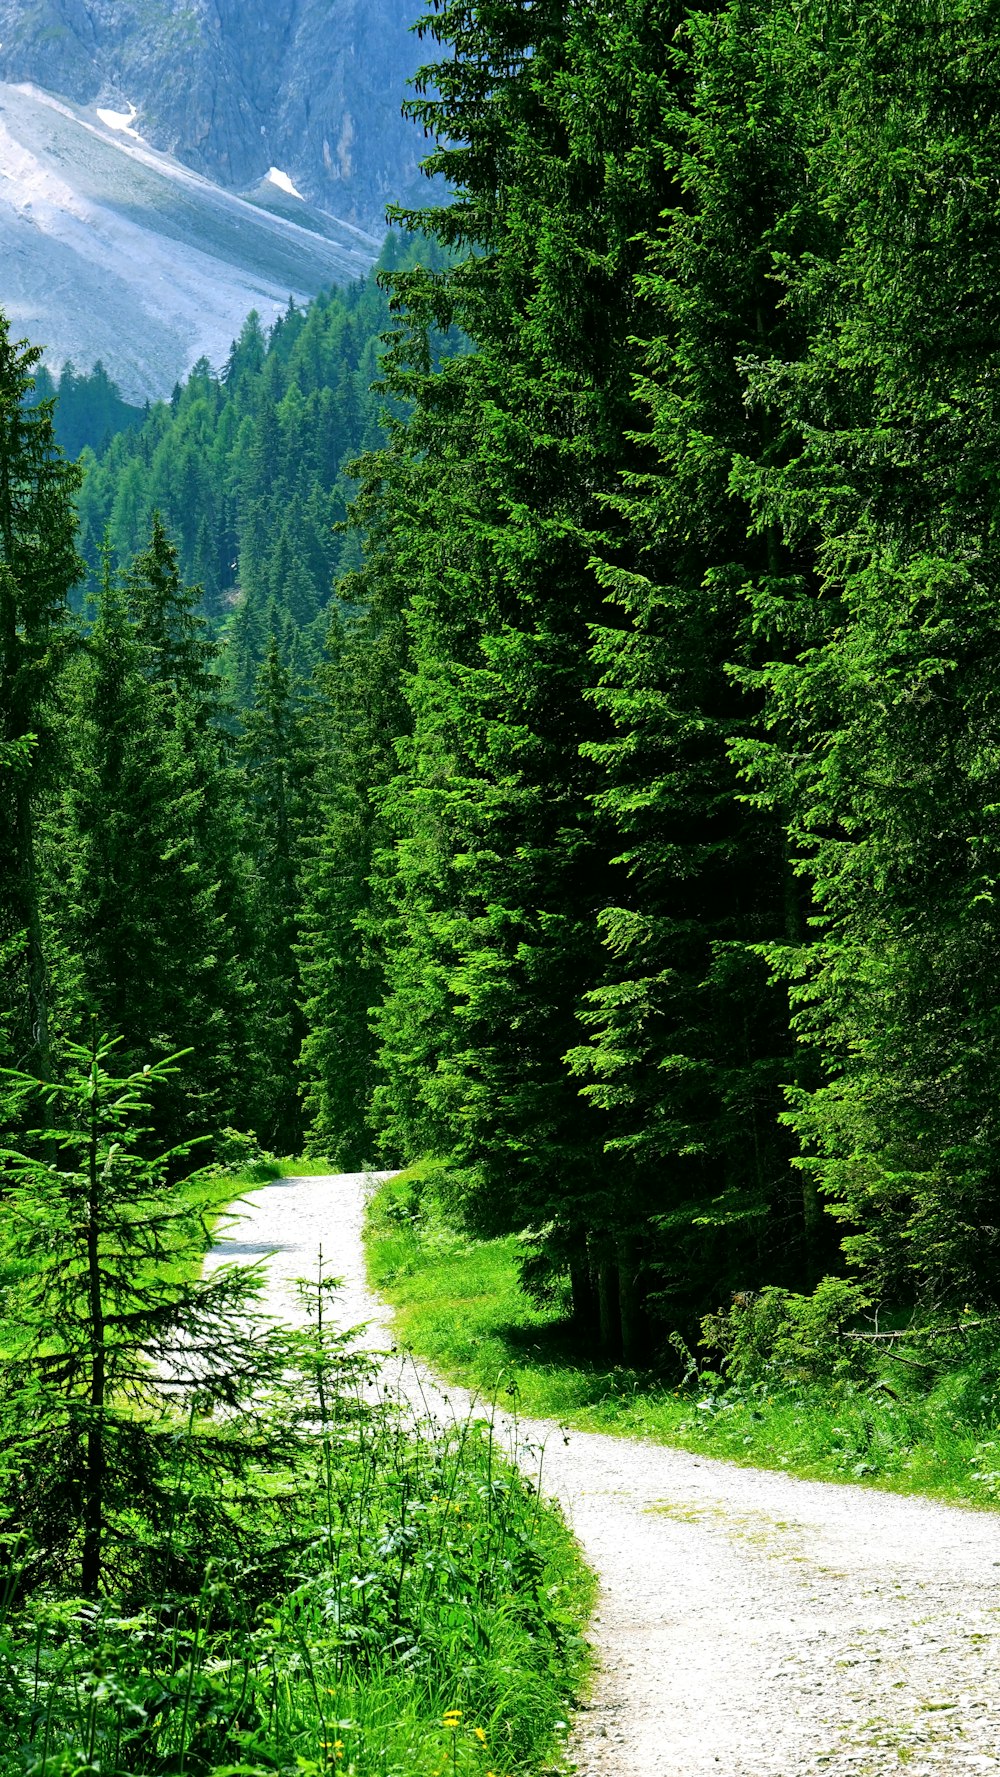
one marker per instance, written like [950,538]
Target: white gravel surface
[749,1623]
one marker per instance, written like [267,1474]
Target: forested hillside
[605,811]
[534,714]
[679,800]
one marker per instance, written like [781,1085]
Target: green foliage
[248,468]
[916,1410]
[239,1154]
[100,1333]
[485,511]
[358,1592]
[89,409]
[439,1628]
[689,1043]
[345,934]
[142,902]
[275,783]
[778,1333]
[881,684]
[38,568]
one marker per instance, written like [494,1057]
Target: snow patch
[283,182]
[120,120]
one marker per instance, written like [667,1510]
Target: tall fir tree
[145,895]
[502,860]
[39,566]
[882,692]
[275,773]
[690,1044]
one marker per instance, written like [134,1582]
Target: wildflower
[480,1734]
[452,1717]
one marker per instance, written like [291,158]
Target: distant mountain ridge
[111,251]
[233,88]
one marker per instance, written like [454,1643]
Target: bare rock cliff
[235,87]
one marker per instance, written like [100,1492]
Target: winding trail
[749,1624]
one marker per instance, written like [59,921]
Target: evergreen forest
[535,714]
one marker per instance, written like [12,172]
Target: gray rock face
[110,249]
[234,87]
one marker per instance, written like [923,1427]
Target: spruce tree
[690,1045]
[882,691]
[38,568]
[275,773]
[502,859]
[106,1350]
[347,932]
[143,846]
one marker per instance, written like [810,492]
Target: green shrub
[777,1334]
[239,1155]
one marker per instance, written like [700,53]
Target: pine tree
[346,929]
[276,771]
[104,1345]
[690,1045]
[38,567]
[143,846]
[882,691]
[501,860]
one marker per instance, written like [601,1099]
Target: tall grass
[432,1625]
[370,1596]
[459,1305]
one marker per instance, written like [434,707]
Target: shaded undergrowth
[908,1424]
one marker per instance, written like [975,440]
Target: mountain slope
[233,87]
[110,250]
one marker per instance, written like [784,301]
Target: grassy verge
[459,1304]
[341,1593]
[392,1606]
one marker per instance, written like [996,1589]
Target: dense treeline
[621,835]
[90,410]
[246,465]
[681,894]
[158,755]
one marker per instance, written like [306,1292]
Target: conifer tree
[347,932]
[143,845]
[690,1045]
[502,861]
[104,1345]
[883,691]
[276,779]
[38,567]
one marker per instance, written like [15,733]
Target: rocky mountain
[167,165]
[232,88]
[112,251]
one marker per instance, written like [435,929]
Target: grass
[394,1605]
[459,1305]
[354,1595]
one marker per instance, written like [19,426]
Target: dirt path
[749,1624]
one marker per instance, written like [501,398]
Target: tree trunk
[586,1323]
[38,984]
[633,1320]
[812,1225]
[608,1302]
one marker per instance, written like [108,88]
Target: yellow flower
[452,1717]
[480,1734]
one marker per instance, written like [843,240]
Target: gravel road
[749,1623]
